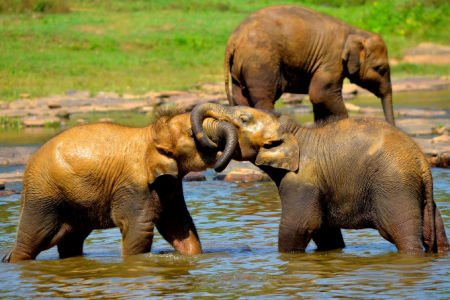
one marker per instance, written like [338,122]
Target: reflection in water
[238,227]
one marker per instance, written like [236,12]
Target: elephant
[103,175]
[348,173]
[297,50]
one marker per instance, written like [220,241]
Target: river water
[238,228]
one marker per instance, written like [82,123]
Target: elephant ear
[160,161]
[353,52]
[283,154]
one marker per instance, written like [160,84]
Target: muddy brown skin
[354,173]
[297,50]
[104,175]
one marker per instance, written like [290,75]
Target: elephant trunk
[199,113]
[388,109]
[386,99]
[219,131]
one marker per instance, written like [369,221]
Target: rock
[419,126]
[302,109]
[169,94]
[19,104]
[246,175]
[2,186]
[371,111]
[194,176]
[442,160]
[15,176]
[106,120]
[432,149]
[444,138]
[428,53]
[420,112]
[234,165]
[76,93]
[8,192]
[291,100]
[62,113]
[53,105]
[4,105]
[15,155]
[39,121]
[107,95]
[82,122]
[145,109]
[350,89]
[438,130]
[351,107]
[418,84]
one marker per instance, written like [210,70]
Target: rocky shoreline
[55,108]
[422,125]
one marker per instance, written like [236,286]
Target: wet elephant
[351,173]
[297,50]
[104,175]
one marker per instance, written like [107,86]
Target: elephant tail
[229,53]
[7,257]
[428,182]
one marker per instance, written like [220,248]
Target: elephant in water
[351,173]
[104,175]
[297,50]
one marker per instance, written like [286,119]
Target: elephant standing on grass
[297,50]
[352,173]
[104,175]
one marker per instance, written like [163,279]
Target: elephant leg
[300,218]
[38,230]
[327,238]
[238,96]
[326,98]
[176,226]
[137,231]
[400,222]
[441,237]
[72,244]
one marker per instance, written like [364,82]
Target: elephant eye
[244,118]
[380,69]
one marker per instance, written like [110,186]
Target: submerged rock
[194,176]
[82,122]
[106,120]
[442,160]
[39,121]
[246,175]
[7,192]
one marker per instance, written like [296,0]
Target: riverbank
[133,47]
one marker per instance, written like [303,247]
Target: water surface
[238,227]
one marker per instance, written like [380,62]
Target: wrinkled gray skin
[354,173]
[297,50]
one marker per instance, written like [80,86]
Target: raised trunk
[222,133]
[199,113]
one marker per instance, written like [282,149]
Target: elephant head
[176,152]
[366,62]
[262,138]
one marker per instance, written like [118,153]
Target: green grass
[135,46]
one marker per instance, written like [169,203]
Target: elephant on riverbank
[297,50]
[351,173]
[105,175]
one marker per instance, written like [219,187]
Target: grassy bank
[137,46]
